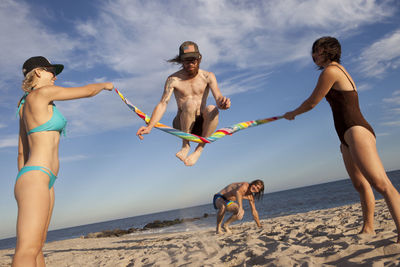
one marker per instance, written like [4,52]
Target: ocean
[298,200]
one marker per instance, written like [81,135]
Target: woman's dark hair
[260,193]
[330,46]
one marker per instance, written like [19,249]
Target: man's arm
[222,101]
[160,108]
[254,212]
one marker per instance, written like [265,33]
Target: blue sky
[260,53]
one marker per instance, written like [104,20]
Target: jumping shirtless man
[190,86]
[225,201]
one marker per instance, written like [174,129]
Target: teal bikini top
[57,121]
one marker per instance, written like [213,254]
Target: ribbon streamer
[195,138]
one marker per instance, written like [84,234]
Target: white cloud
[9,141]
[391,123]
[140,34]
[24,35]
[362,86]
[383,134]
[392,108]
[245,81]
[393,100]
[134,38]
[382,55]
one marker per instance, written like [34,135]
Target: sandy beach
[324,237]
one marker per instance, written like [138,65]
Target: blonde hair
[30,81]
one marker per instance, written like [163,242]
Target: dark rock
[111,233]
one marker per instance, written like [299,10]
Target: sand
[324,237]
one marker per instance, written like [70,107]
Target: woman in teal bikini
[40,127]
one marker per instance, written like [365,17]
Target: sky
[260,54]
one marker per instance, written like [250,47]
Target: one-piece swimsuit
[346,110]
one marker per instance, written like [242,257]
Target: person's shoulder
[333,69]
[243,185]
[175,76]
[330,72]
[206,72]
[45,90]
[208,75]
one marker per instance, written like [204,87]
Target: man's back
[230,191]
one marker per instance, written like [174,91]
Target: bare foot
[227,229]
[367,231]
[192,158]
[219,231]
[181,154]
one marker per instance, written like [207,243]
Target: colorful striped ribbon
[195,138]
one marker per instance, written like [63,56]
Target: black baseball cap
[189,49]
[40,62]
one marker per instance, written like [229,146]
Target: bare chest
[192,87]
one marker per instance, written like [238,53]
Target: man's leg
[234,208]
[184,121]
[220,214]
[210,116]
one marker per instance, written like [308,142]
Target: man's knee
[210,112]
[176,123]
[221,209]
[233,208]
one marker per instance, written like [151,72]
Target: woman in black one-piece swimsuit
[358,144]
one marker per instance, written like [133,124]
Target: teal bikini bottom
[38,168]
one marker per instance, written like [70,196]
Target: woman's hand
[289,115]
[108,86]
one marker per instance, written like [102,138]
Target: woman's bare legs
[362,147]
[363,187]
[40,258]
[34,205]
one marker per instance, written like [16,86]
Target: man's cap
[189,49]
[40,62]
